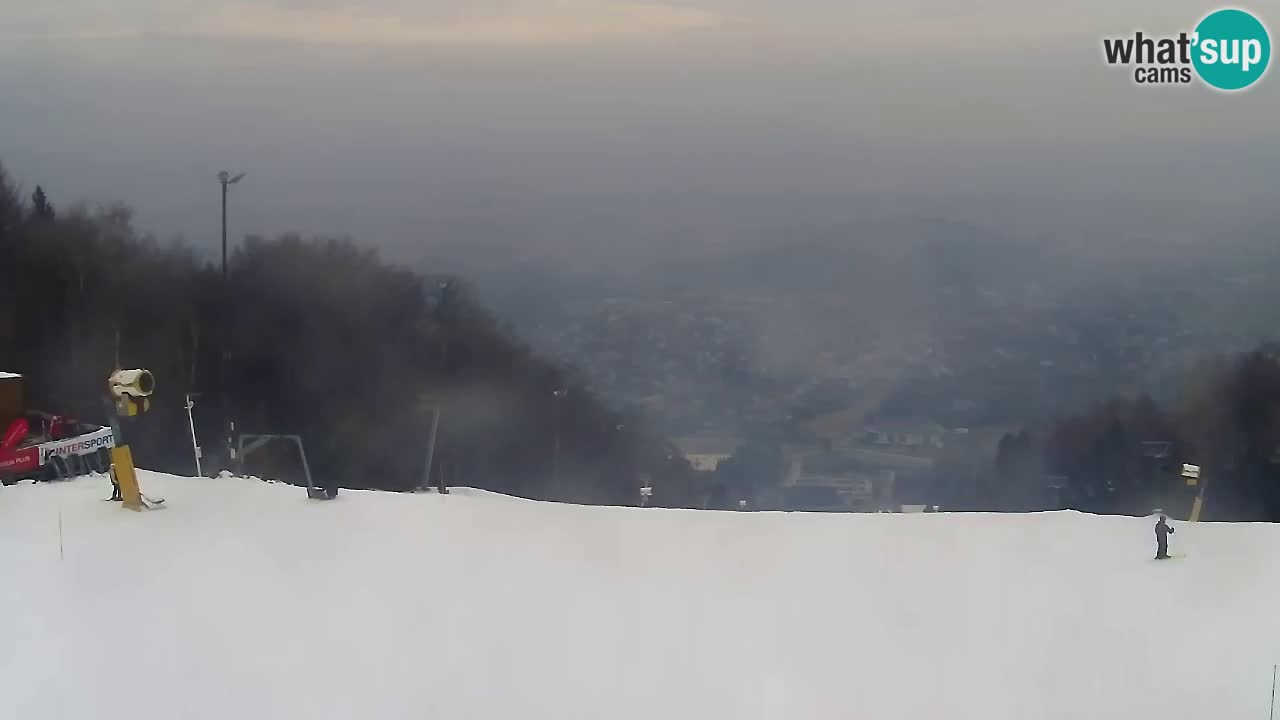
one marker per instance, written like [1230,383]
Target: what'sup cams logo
[1228,50]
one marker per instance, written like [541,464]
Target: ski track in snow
[242,599]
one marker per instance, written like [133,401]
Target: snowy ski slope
[243,599]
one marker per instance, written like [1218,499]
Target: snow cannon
[1191,473]
[134,383]
[131,388]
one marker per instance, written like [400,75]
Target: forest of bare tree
[315,337]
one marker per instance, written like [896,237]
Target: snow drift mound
[245,600]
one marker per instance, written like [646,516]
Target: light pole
[228,426]
[225,179]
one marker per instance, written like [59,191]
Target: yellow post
[127,477]
[1192,474]
[1198,505]
[1195,508]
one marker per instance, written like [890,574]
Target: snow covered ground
[245,600]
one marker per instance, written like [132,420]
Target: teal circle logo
[1231,49]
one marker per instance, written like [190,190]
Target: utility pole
[228,425]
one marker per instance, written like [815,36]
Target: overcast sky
[399,121]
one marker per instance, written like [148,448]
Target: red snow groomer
[41,446]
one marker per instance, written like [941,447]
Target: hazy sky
[623,122]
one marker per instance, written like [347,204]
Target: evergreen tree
[41,209]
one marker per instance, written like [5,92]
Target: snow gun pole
[1198,505]
[122,471]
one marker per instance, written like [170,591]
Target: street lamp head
[236,179]
[223,175]
[225,178]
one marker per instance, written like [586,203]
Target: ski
[149,501]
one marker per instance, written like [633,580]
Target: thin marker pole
[1273,692]
[60,558]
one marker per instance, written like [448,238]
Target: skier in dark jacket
[1162,538]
